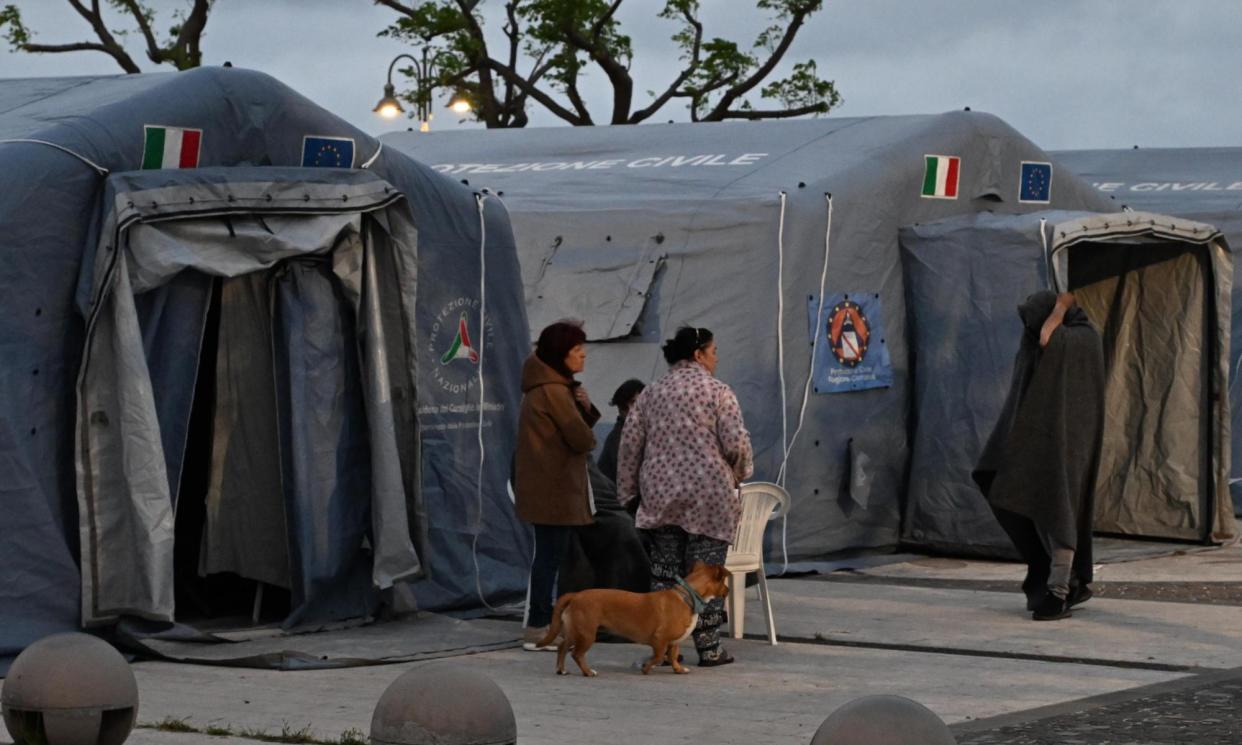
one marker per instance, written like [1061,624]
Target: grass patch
[290,735]
[287,735]
[174,724]
[251,733]
[353,736]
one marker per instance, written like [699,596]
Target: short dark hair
[627,392]
[687,341]
[554,344]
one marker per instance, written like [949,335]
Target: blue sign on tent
[1035,184]
[850,349]
[327,152]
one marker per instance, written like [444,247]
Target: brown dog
[659,619]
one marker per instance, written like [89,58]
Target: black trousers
[551,545]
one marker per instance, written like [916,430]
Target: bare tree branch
[183,52]
[153,46]
[81,46]
[511,31]
[112,47]
[191,35]
[691,66]
[530,90]
[571,91]
[598,28]
[396,6]
[622,83]
[82,10]
[739,90]
[487,89]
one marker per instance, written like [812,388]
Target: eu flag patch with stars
[327,152]
[1036,183]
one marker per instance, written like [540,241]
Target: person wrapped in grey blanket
[1038,468]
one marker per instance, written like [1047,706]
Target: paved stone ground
[1210,593]
[1201,710]
[1125,671]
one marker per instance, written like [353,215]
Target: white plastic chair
[761,501]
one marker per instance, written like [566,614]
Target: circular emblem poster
[848,333]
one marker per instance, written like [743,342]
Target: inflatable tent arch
[135,319]
[641,229]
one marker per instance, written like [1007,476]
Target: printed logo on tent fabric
[940,176]
[455,335]
[848,333]
[461,349]
[1035,184]
[327,152]
[170,147]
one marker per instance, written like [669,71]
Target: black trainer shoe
[1051,608]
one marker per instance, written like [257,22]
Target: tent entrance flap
[1153,305]
[604,286]
[232,549]
[293,455]
[244,531]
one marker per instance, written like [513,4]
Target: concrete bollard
[442,704]
[70,689]
[883,720]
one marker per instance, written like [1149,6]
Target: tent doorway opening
[224,598]
[244,414]
[1154,304]
[277,414]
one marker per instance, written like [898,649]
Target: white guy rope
[806,389]
[819,319]
[780,320]
[98,168]
[1043,239]
[478,482]
[371,160]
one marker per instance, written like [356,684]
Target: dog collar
[694,599]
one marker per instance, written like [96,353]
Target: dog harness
[693,599]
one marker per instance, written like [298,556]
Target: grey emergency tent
[638,230]
[1203,184]
[193,312]
[1157,287]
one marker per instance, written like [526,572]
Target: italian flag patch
[940,176]
[170,147]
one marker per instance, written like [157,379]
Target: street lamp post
[425,72]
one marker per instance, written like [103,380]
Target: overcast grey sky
[1067,73]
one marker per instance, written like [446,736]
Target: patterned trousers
[672,552]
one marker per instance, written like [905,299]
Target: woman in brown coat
[550,466]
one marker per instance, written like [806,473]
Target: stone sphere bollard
[445,705]
[883,720]
[70,689]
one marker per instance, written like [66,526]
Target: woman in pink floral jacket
[683,451]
